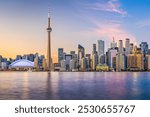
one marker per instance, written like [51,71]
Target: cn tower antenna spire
[49,13]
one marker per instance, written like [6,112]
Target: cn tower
[49,30]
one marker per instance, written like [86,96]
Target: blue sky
[23,24]
[86,21]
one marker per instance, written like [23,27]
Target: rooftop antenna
[113,39]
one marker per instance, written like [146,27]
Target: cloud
[108,30]
[144,23]
[112,6]
[106,27]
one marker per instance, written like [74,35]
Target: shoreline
[79,71]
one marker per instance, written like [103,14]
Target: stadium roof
[22,63]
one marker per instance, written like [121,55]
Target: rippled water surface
[74,85]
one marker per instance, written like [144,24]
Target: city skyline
[117,58]
[23,24]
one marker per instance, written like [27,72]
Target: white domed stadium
[22,63]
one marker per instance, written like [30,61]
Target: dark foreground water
[74,85]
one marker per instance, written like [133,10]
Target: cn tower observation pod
[22,63]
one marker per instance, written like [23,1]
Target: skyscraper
[88,57]
[81,54]
[68,58]
[127,46]
[83,64]
[94,57]
[111,54]
[120,48]
[101,50]
[49,30]
[120,62]
[101,47]
[74,55]
[60,54]
[120,58]
[94,61]
[135,61]
[148,62]
[74,59]
[131,47]
[94,48]
[144,47]
[81,51]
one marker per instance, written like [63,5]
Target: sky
[23,24]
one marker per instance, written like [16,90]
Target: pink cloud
[110,6]
[113,30]
[108,30]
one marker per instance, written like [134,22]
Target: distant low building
[3,65]
[101,67]
[56,66]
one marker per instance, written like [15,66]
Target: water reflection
[52,86]
[25,86]
[48,86]
[76,85]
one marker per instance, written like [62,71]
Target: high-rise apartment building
[60,54]
[81,54]
[88,58]
[101,52]
[131,47]
[148,62]
[94,49]
[74,59]
[72,65]
[68,58]
[135,61]
[94,61]
[101,47]
[83,64]
[144,47]
[127,46]
[120,62]
[111,54]
[120,47]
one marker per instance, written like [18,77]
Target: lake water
[75,85]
